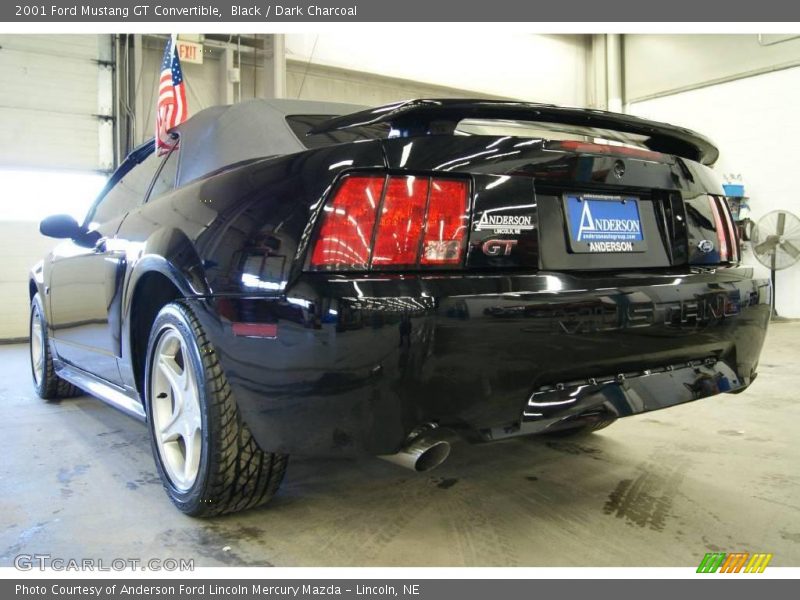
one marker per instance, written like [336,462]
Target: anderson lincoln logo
[504,223]
[734,562]
[608,225]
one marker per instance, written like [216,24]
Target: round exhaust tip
[432,457]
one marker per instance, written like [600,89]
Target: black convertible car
[314,278]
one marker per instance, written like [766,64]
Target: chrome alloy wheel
[37,346]
[175,407]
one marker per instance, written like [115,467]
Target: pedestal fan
[776,243]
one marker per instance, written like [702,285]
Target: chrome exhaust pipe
[425,449]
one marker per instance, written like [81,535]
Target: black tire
[583,429]
[234,473]
[47,384]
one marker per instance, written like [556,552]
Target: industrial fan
[776,243]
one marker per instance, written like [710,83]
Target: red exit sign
[190,52]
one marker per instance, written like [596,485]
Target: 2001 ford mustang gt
[314,278]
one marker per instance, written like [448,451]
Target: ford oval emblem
[705,246]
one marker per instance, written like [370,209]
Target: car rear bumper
[353,364]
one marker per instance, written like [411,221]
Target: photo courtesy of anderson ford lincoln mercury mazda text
[295,277]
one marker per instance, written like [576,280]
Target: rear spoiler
[441,117]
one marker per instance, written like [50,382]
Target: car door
[85,281]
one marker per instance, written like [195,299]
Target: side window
[165,180]
[129,192]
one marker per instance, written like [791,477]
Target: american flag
[171,108]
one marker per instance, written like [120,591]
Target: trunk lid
[567,205]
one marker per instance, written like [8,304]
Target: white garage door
[56,144]
[56,102]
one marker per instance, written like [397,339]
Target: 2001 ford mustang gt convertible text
[320,279]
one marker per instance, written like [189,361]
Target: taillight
[399,221]
[727,241]
[446,223]
[733,236]
[346,234]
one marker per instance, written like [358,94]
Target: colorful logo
[734,562]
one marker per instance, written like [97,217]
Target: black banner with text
[318,11]
[373,589]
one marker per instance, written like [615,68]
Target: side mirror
[60,227]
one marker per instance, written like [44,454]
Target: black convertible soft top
[220,136]
[425,117]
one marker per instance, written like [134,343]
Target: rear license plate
[604,224]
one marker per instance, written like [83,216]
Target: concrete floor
[77,480]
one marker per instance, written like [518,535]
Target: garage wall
[658,64]
[52,89]
[311,82]
[538,68]
[754,122]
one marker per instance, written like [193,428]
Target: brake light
[727,241]
[380,222]
[611,149]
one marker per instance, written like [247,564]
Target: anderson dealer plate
[604,224]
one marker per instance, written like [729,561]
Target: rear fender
[171,254]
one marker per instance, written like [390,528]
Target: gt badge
[498,247]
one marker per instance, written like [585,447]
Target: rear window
[302,124]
